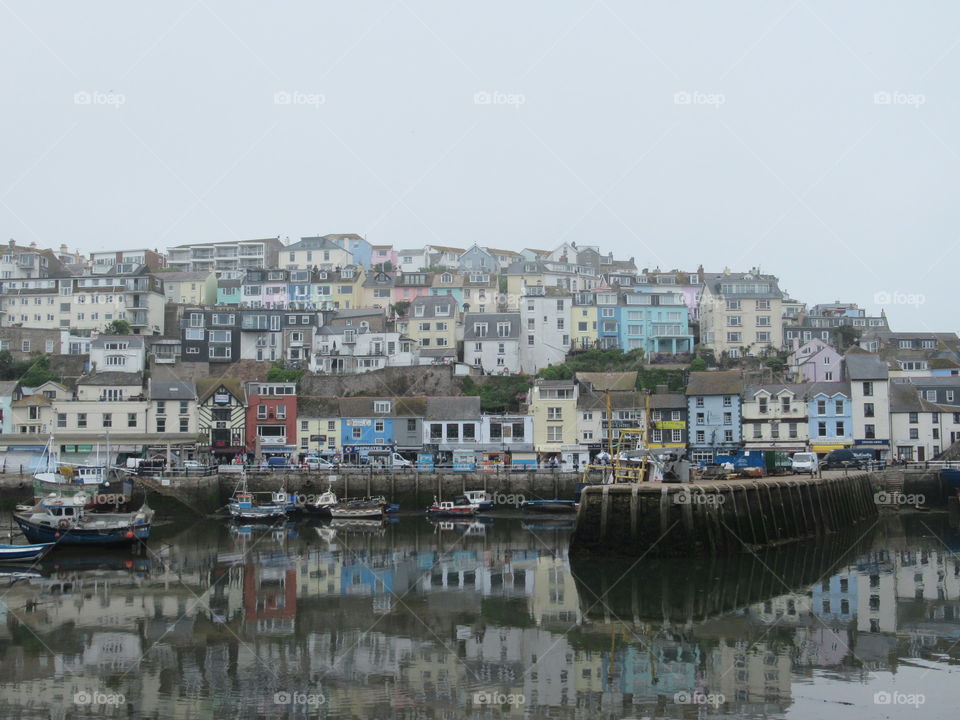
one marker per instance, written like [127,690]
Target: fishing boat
[480,499]
[458,507]
[56,474]
[24,553]
[549,506]
[358,509]
[322,504]
[243,507]
[67,521]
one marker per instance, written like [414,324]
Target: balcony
[138,319]
[204,254]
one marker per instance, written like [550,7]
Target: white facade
[544,329]
[870,401]
[356,351]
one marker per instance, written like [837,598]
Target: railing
[930,465]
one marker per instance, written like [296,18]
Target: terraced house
[222,418]
[741,313]
[713,412]
[431,322]
[774,417]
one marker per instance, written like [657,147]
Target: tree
[847,336]
[32,373]
[118,327]
[498,393]
[280,373]
[698,364]
[400,308]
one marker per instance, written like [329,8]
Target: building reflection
[395,624]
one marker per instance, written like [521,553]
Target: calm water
[415,620]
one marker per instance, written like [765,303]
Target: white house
[491,341]
[919,429]
[774,417]
[338,349]
[545,327]
[870,399]
[118,353]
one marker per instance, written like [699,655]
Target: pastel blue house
[478,259]
[361,250]
[228,292]
[835,598]
[657,322]
[609,320]
[366,433]
[714,414]
[449,284]
[830,414]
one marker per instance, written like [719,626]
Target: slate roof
[715,280]
[470,319]
[112,378]
[612,381]
[726,382]
[618,400]
[399,407]
[313,243]
[904,398]
[134,342]
[172,390]
[861,366]
[208,386]
[453,408]
[668,401]
[7,387]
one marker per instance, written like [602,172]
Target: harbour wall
[718,517]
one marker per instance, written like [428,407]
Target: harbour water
[460,620]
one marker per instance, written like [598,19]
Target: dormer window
[381,406]
[418,311]
[446,278]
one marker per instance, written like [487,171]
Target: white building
[919,429]
[491,341]
[118,353]
[348,350]
[545,327]
[870,400]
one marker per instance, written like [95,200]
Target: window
[700,436]
[727,401]
[913,418]
[161,424]
[554,433]
[61,420]
[762,405]
[763,321]
[554,413]
[792,430]
[757,431]
[870,432]
[381,406]
[868,410]
[25,346]
[728,436]
[840,428]
[531,340]
[868,389]
[131,420]
[161,407]
[81,420]
[821,429]
[734,337]
[728,418]
[914,434]
[699,401]
[357,433]
[378,426]
[108,420]
[838,407]
[821,407]
[220,336]
[785,404]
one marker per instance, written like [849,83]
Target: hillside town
[330,346]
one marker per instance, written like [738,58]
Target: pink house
[384,254]
[815,361]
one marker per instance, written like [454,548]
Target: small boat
[323,504]
[242,506]
[549,506]
[65,520]
[22,553]
[480,499]
[458,507]
[369,508]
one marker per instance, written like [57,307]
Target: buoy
[128,564]
[129,533]
[56,535]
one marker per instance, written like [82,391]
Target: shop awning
[828,447]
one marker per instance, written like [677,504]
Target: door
[921,456]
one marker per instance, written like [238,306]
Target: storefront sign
[358,422]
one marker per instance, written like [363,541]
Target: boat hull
[549,506]
[356,513]
[24,553]
[83,536]
[451,512]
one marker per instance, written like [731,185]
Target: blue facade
[609,324]
[361,249]
[455,292]
[228,295]
[714,423]
[478,259]
[830,414]
[659,323]
[836,598]
[367,433]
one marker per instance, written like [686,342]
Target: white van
[804,462]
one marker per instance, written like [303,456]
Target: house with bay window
[774,417]
[271,429]
[222,418]
[545,327]
[118,353]
[741,313]
[431,322]
[173,407]
[553,406]
[920,429]
[830,413]
[657,322]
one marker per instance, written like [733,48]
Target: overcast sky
[818,140]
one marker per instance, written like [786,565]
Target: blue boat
[549,506]
[66,521]
[24,553]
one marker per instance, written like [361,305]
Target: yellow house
[319,425]
[553,405]
[339,289]
[583,321]
[431,322]
[190,287]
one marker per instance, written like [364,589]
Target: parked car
[804,462]
[192,465]
[843,458]
[277,462]
[317,463]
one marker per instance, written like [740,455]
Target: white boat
[57,473]
[323,504]
[371,508]
[480,500]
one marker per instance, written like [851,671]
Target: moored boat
[549,506]
[458,507]
[242,506]
[65,520]
[358,509]
[24,553]
[481,500]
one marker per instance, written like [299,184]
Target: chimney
[63,249]
[33,245]
[12,242]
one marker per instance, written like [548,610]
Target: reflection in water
[412,619]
